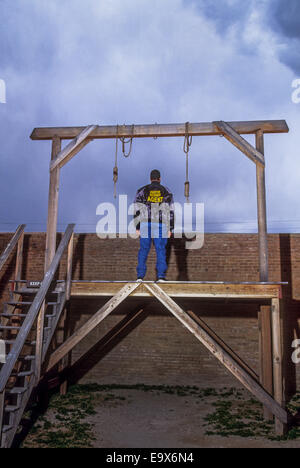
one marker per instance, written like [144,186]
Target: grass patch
[234,415]
[66,423]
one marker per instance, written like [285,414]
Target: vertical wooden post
[66,317]
[277,361]
[18,273]
[69,267]
[52,206]
[2,397]
[265,351]
[266,368]
[18,269]
[262,212]
[39,341]
[66,360]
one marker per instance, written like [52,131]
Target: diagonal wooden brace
[243,145]
[72,148]
[97,318]
[220,353]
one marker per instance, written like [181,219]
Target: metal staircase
[27,325]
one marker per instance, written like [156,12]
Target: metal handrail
[11,245]
[34,309]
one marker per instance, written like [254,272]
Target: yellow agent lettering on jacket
[155,196]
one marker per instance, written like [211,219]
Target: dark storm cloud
[284,18]
[224,13]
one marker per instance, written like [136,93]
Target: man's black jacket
[156,204]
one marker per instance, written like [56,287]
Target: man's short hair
[155,174]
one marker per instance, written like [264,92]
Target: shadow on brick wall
[181,255]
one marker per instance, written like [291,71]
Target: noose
[126,155]
[124,143]
[115,170]
[186,148]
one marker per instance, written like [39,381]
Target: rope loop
[115,169]
[188,139]
[125,142]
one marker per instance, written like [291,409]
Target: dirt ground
[151,417]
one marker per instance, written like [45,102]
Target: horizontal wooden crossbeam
[160,130]
[183,289]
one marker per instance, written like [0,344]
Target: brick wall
[160,350]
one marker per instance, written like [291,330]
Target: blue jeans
[158,233]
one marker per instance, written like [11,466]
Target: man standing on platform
[154,221]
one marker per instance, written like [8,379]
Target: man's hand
[138,233]
[169,234]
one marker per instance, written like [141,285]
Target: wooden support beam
[265,353]
[217,350]
[52,206]
[102,313]
[281,426]
[239,142]
[262,212]
[180,289]
[160,130]
[72,148]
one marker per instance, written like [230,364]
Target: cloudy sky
[68,62]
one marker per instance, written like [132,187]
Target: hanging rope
[115,170]
[186,148]
[125,142]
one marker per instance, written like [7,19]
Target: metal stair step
[27,358]
[25,303]
[7,428]
[13,315]
[9,327]
[11,408]
[18,303]
[27,343]
[8,314]
[31,291]
[18,390]
[22,374]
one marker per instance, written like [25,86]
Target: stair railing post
[2,396]
[65,362]
[69,267]
[39,341]
[19,259]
